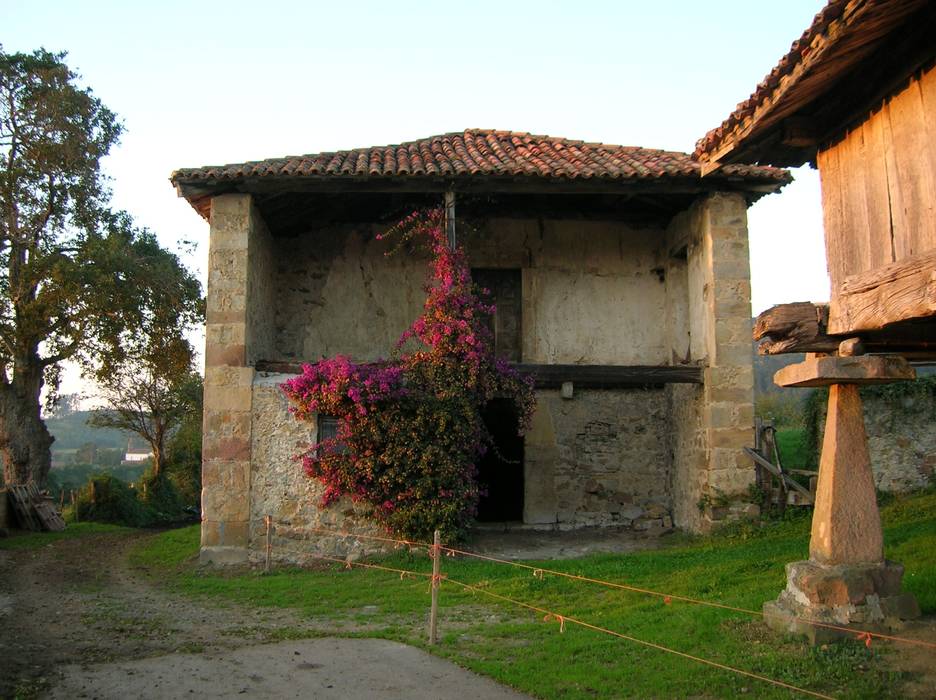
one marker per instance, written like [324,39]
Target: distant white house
[137,451]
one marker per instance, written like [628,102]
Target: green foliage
[183,459]
[791,444]
[78,281]
[784,410]
[742,567]
[107,499]
[151,394]
[74,476]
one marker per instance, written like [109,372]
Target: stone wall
[713,426]
[592,293]
[599,458]
[901,438]
[902,441]
[279,487]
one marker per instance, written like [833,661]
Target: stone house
[621,280]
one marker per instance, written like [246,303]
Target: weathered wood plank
[916,192]
[903,290]
[838,250]
[927,86]
[611,376]
[874,170]
[803,327]
[852,166]
[584,376]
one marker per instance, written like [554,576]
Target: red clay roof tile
[481,153]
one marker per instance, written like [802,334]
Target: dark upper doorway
[504,286]
[500,470]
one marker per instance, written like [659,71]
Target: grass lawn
[34,540]
[792,446]
[742,567]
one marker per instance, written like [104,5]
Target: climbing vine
[410,430]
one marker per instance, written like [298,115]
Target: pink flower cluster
[410,429]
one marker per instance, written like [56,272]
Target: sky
[210,83]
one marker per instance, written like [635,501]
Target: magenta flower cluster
[410,428]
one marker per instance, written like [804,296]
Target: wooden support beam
[871,300]
[803,327]
[582,376]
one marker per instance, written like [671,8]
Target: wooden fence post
[74,505]
[268,519]
[436,580]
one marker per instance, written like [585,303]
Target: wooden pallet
[33,510]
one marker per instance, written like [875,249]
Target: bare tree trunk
[25,442]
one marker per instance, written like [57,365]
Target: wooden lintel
[582,376]
[796,327]
[900,291]
[860,369]
[611,376]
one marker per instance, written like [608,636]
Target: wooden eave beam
[582,376]
[900,291]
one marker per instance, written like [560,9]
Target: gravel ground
[77,622]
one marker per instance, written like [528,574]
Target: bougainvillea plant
[410,431]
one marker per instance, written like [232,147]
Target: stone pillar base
[222,556]
[867,596]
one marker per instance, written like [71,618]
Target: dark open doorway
[500,471]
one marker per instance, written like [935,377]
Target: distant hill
[71,431]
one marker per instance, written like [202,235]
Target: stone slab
[861,369]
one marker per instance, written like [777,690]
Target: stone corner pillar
[718,473]
[846,580]
[233,341]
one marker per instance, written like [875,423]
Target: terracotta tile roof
[481,153]
[843,22]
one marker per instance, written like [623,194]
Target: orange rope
[342,533]
[538,572]
[349,564]
[864,635]
[562,619]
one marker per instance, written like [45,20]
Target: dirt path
[71,606]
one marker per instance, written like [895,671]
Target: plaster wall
[589,289]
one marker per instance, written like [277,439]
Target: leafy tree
[152,395]
[77,280]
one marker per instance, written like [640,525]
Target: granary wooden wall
[879,190]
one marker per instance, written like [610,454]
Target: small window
[328,430]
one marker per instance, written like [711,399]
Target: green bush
[107,499]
